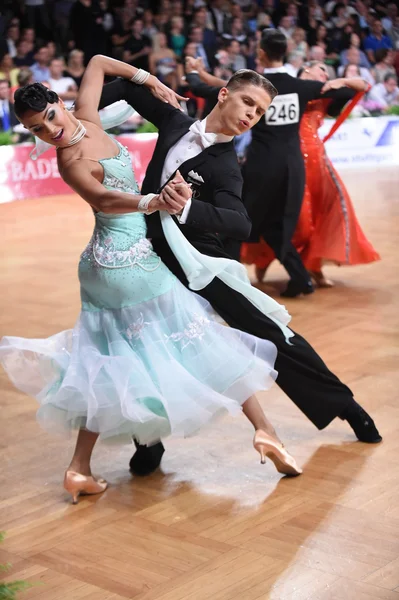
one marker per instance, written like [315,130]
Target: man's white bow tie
[206,139]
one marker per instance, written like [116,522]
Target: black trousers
[302,374]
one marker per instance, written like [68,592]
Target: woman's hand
[333,84]
[162,92]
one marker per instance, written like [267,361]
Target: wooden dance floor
[213,524]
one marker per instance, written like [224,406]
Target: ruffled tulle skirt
[165,366]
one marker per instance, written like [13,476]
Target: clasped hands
[174,196]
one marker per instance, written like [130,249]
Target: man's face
[196,35]
[137,27]
[43,56]
[377,27]
[56,68]
[353,56]
[4,91]
[23,48]
[242,108]
[13,33]
[390,85]
[200,17]
[234,48]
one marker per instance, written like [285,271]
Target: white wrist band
[141,77]
[145,202]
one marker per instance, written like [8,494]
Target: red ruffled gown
[327,230]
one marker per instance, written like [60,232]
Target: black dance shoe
[361,423]
[146,459]
[296,289]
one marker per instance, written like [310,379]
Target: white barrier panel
[365,142]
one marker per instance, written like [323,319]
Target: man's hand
[176,194]
[162,92]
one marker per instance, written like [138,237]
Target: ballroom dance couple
[148,357]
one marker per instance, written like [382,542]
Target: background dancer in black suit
[274,171]
[204,154]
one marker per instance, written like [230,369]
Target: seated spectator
[8,71]
[163,63]
[376,40]
[208,36]
[137,47]
[319,37]
[75,67]
[353,58]
[149,28]
[216,19]
[223,68]
[295,61]
[40,68]
[65,87]
[354,42]
[318,54]
[24,57]
[25,77]
[236,59]
[351,71]
[7,116]
[52,49]
[196,36]
[389,19]
[395,33]
[9,44]
[177,39]
[384,64]
[301,46]
[237,32]
[286,27]
[385,94]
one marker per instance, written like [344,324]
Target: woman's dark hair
[35,97]
[345,71]
[381,54]
[274,44]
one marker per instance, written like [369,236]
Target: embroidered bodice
[120,240]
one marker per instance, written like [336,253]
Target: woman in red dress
[327,230]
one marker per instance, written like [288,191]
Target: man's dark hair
[274,44]
[390,76]
[248,77]
[35,97]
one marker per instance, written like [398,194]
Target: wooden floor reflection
[213,523]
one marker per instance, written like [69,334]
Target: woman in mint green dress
[147,357]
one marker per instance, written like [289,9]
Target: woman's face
[318,72]
[352,71]
[52,125]
[7,62]
[355,40]
[77,59]
[162,40]
[321,32]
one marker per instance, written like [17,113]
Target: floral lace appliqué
[106,256]
[135,330]
[195,330]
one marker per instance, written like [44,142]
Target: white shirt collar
[281,69]
[207,138]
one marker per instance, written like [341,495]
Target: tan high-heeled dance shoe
[83,485]
[321,280]
[266,445]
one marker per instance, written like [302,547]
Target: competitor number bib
[284,110]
